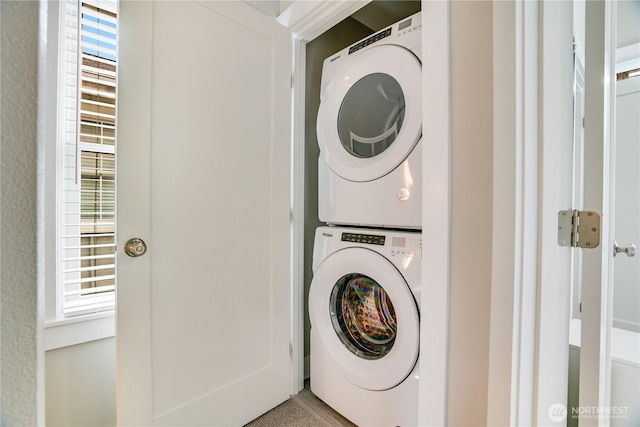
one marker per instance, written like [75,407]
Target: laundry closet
[362,113]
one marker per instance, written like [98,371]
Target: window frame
[59,332]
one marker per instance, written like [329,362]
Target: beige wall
[471,210]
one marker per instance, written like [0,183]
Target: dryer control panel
[412,23]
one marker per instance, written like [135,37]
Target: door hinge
[579,229]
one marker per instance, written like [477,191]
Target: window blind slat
[91,290]
[99,32]
[89,7]
[108,245]
[88,257]
[98,267]
[98,104]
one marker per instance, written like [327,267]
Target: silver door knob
[630,249]
[135,247]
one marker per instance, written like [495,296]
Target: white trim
[63,333]
[515,214]
[628,58]
[555,180]
[77,330]
[298,360]
[50,161]
[436,215]
[597,298]
[308,19]
[506,240]
[525,319]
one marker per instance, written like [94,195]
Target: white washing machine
[365,323]
[369,129]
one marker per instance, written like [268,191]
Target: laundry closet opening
[375,16]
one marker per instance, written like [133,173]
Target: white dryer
[365,323]
[369,129]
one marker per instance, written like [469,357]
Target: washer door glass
[363,316]
[371,115]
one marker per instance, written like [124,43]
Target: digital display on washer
[399,242]
[363,238]
[366,42]
[404,25]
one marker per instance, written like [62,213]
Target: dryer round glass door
[370,114]
[366,318]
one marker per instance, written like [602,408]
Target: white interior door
[203,319]
[627,206]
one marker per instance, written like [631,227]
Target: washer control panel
[370,239]
[396,244]
[406,246]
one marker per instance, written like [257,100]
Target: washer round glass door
[370,115]
[363,316]
[366,318]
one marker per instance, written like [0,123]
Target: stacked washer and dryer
[363,299]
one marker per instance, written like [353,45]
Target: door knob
[135,247]
[630,249]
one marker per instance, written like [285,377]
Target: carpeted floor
[288,413]
[302,410]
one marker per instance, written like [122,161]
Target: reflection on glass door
[371,115]
[363,316]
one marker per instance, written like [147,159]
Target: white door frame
[554,267]
[597,289]
[530,287]
[436,214]
[516,213]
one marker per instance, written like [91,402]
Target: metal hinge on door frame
[579,229]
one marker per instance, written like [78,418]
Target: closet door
[203,316]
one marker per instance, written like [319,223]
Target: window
[85,149]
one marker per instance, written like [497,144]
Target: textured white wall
[21,358]
[81,385]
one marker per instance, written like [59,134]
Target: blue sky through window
[95,44]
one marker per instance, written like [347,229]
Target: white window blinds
[87,222]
